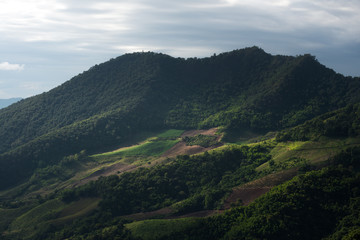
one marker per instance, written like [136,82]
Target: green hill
[177,191]
[104,106]
[117,151]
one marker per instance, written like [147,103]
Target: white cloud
[46,34]
[11,67]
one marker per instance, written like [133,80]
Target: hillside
[105,106]
[263,188]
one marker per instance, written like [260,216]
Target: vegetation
[318,204]
[150,148]
[58,149]
[105,106]
[158,228]
[341,123]
[201,140]
[314,205]
[152,188]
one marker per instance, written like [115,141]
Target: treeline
[342,123]
[199,182]
[104,106]
[97,133]
[98,226]
[201,140]
[323,204]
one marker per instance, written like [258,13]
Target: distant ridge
[6,102]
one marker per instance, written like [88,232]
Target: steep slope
[189,184]
[104,106]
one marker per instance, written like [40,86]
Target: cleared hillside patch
[23,226]
[171,133]
[76,209]
[290,154]
[248,192]
[151,147]
[159,228]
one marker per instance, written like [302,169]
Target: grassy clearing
[51,212]
[172,133]
[310,151]
[158,228]
[77,209]
[8,215]
[38,215]
[151,147]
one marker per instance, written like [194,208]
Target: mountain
[104,106]
[254,146]
[6,102]
[267,189]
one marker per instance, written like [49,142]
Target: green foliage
[106,105]
[158,228]
[99,226]
[344,122]
[152,148]
[170,134]
[316,205]
[348,227]
[205,178]
[35,218]
[8,215]
[201,140]
[42,139]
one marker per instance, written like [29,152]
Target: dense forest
[240,145]
[104,106]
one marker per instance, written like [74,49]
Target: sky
[44,43]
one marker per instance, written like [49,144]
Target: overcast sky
[44,43]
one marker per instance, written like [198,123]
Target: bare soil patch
[244,196]
[247,193]
[182,149]
[192,133]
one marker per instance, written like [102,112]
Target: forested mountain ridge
[104,106]
[114,153]
[324,194]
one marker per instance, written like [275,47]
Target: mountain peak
[104,106]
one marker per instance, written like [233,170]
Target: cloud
[11,67]
[57,39]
